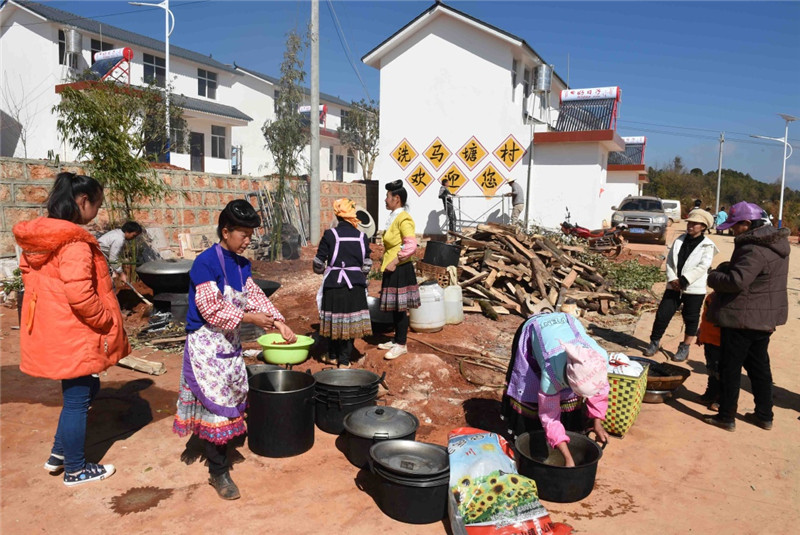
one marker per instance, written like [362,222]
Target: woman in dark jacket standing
[343,256]
[752,302]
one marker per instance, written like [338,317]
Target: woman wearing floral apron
[213,387]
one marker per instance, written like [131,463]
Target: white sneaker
[395,352]
[387,345]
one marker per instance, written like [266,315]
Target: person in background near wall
[71,323]
[212,395]
[447,201]
[399,290]
[753,301]
[722,216]
[697,204]
[688,263]
[111,244]
[343,257]
[517,200]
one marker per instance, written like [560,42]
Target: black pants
[341,350]
[667,307]
[400,327]
[712,354]
[217,456]
[451,216]
[745,348]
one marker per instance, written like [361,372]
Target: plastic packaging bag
[487,494]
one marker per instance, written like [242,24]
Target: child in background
[709,336]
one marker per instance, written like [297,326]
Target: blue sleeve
[324,250]
[204,271]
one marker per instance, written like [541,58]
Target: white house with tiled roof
[42,47]
[463,99]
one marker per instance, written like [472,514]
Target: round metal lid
[166,267]
[347,378]
[380,423]
[408,458]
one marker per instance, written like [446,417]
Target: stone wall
[197,200]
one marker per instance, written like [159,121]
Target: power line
[93,17]
[346,47]
[691,128]
[712,138]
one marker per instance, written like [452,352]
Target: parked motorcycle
[608,242]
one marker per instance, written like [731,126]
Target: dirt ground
[670,474]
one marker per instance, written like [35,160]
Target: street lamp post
[785,141]
[167,32]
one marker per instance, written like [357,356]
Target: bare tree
[360,132]
[18,109]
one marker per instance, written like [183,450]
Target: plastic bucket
[453,305]
[558,483]
[280,417]
[441,254]
[430,316]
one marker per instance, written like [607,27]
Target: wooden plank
[491,278]
[469,270]
[570,279]
[527,253]
[472,280]
[540,275]
[604,306]
[553,248]
[587,267]
[553,296]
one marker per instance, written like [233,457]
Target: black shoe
[652,349]
[712,391]
[715,420]
[682,354]
[751,417]
[225,487]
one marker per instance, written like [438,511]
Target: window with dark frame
[351,161]
[514,75]
[155,69]
[62,51]
[330,159]
[526,89]
[345,116]
[177,142]
[277,95]
[218,142]
[207,84]
[99,46]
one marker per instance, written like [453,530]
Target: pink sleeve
[550,416]
[257,301]
[597,405]
[215,310]
[409,248]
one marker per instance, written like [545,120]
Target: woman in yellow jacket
[399,290]
[68,292]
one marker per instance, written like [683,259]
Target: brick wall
[197,201]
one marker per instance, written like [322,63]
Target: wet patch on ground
[138,499]
[604,502]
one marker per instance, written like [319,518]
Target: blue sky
[688,70]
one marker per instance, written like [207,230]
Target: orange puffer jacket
[71,322]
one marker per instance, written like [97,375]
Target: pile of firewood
[505,271]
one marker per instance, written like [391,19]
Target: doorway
[198,151]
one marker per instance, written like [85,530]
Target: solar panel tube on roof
[632,155]
[582,115]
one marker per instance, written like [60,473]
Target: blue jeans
[71,433]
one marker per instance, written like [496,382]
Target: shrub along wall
[197,200]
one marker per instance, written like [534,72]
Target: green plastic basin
[285,354]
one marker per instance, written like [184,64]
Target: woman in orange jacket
[68,291]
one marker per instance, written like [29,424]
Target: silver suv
[644,217]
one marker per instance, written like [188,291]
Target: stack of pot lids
[410,459]
[383,423]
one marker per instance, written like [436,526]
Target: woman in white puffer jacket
[688,262]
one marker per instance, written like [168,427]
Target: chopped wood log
[491,278]
[553,248]
[553,296]
[604,306]
[487,310]
[472,280]
[569,279]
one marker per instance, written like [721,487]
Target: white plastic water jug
[429,317]
[453,305]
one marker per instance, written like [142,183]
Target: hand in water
[286,332]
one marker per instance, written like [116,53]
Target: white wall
[568,175]
[450,81]
[619,184]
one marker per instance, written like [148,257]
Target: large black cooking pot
[347,381]
[268,287]
[166,276]
[556,482]
[340,392]
[414,488]
[364,427]
[280,417]
[329,414]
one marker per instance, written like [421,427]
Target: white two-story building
[225,106]
[464,100]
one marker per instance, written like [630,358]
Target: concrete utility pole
[719,169]
[314,190]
